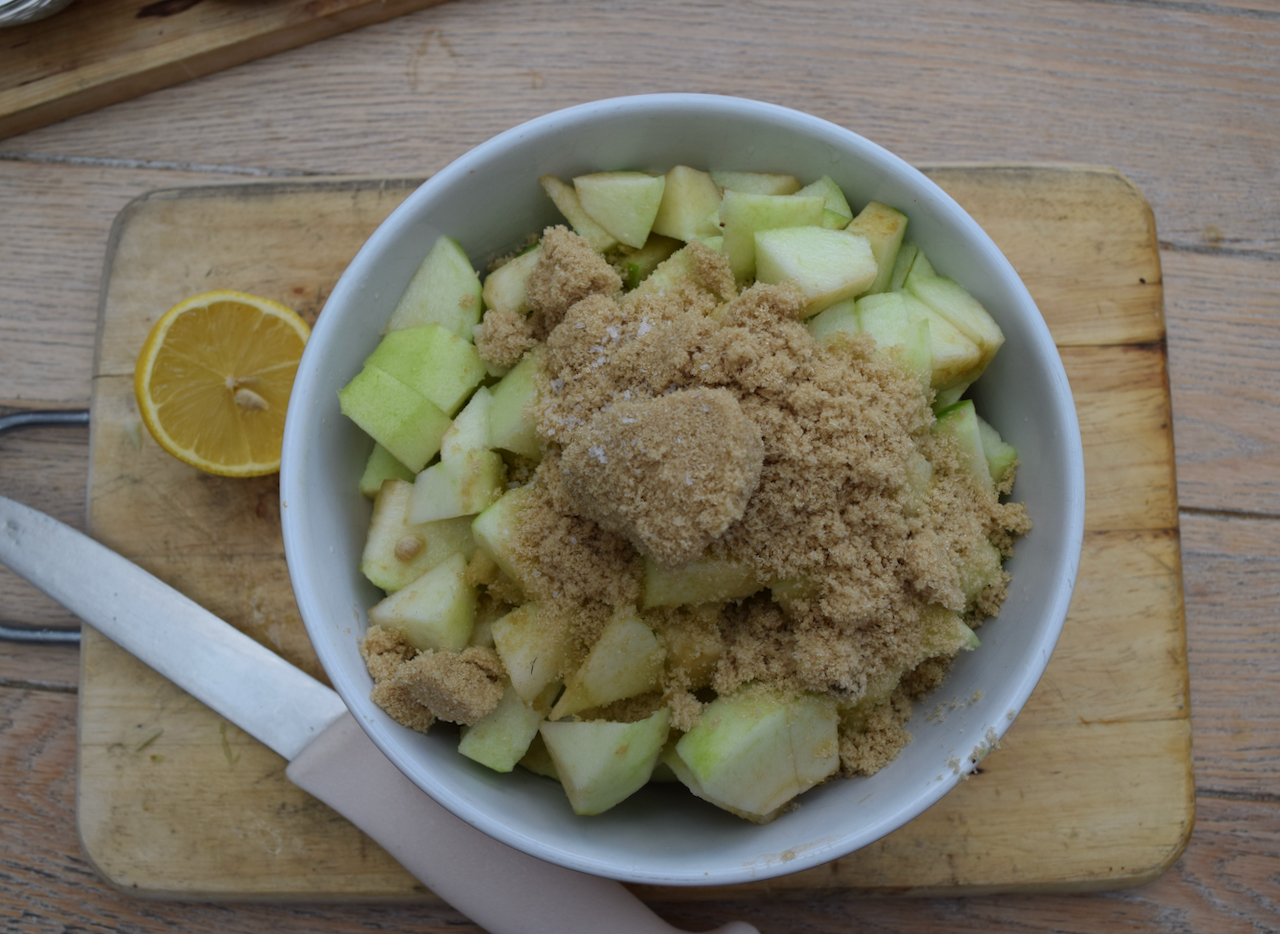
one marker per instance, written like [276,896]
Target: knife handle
[500,888]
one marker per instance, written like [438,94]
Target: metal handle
[38,419]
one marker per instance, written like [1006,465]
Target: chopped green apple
[706,580]
[689,198]
[638,266]
[398,552]
[742,215]
[623,203]
[433,360]
[567,202]
[625,661]
[495,530]
[884,228]
[840,318]
[436,611]
[400,418]
[445,290]
[1002,457]
[511,420]
[898,334]
[464,485]
[959,423]
[834,202]
[756,183]
[909,257]
[953,302]
[381,465]
[754,750]
[502,737]
[828,266]
[954,359]
[601,763]
[504,288]
[470,430]
[534,649]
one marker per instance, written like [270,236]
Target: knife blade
[500,888]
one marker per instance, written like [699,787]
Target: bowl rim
[1062,403]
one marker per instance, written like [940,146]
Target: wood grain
[1117,684]
[95,54]
[1219,885]
[1180,95]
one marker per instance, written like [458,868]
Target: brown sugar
[567,271]
[417,688]
[685,419]
[669,473]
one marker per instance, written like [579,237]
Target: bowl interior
[489,200]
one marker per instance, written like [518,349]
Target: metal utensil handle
[37,418]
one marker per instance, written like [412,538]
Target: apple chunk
[623,203]
[464,485]
[625,661]
[600,762]
[436,611]
[398,417]
[754,751]
[827,265]
[445,290]
[397,551]
[743,214]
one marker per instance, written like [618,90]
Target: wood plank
[1222,884]
[60,219]
[1106,299]
[218,541]
[1122,402]
[1159,92]
[1222,358]
[1232,591]
[94,54]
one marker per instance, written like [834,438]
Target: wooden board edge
[116,86]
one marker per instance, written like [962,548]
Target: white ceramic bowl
[490,199]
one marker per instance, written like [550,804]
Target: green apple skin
[400,418]
[445,290]
[566,200]
[433,360]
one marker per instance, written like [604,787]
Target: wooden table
[1182,98]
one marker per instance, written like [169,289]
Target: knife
[329,755]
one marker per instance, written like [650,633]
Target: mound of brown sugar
[684,419]
[669,473]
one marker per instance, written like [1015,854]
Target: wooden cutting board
[1092,786]
[100,52]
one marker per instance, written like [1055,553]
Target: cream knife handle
[500,888]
